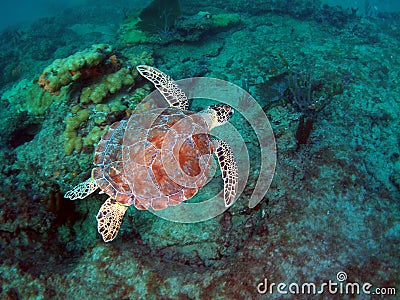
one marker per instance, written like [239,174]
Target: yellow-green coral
[94,135]
[139,95]
[73,122]
[73,143]
[66,70]
[116,105]
[144,58]
[102,108]
[97,114]
[102,101]
[73,140]
[109,84]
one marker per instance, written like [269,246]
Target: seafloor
[327,78]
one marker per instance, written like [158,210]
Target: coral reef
[99,75]
[76,67]
[335,16]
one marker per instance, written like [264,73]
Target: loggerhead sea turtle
[157,158]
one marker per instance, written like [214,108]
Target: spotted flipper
[166,85]
[82,190]
[229,170]
[109,219]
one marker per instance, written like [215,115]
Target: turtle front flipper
[166,86]
[229,170]
[82,190]
[109,219]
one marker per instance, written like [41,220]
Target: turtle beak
[231,112]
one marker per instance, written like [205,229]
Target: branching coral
[311,95]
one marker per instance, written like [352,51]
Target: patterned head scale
[223,111]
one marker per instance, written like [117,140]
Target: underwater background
[326,76]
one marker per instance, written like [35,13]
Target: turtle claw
[82,190]
[109,219]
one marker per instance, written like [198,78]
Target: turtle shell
[158,158]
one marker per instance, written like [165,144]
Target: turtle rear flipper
[82,190]
[229,170]
[109,219]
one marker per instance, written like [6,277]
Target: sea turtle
[157,158]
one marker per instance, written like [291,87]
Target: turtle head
[218,114]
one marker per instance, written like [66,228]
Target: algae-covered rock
[192,28]
[159,15]
[26,96]
[157,18]
[395,176]
[159,23]
[224,20]
[129,33]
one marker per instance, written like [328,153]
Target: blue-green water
[327,79]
